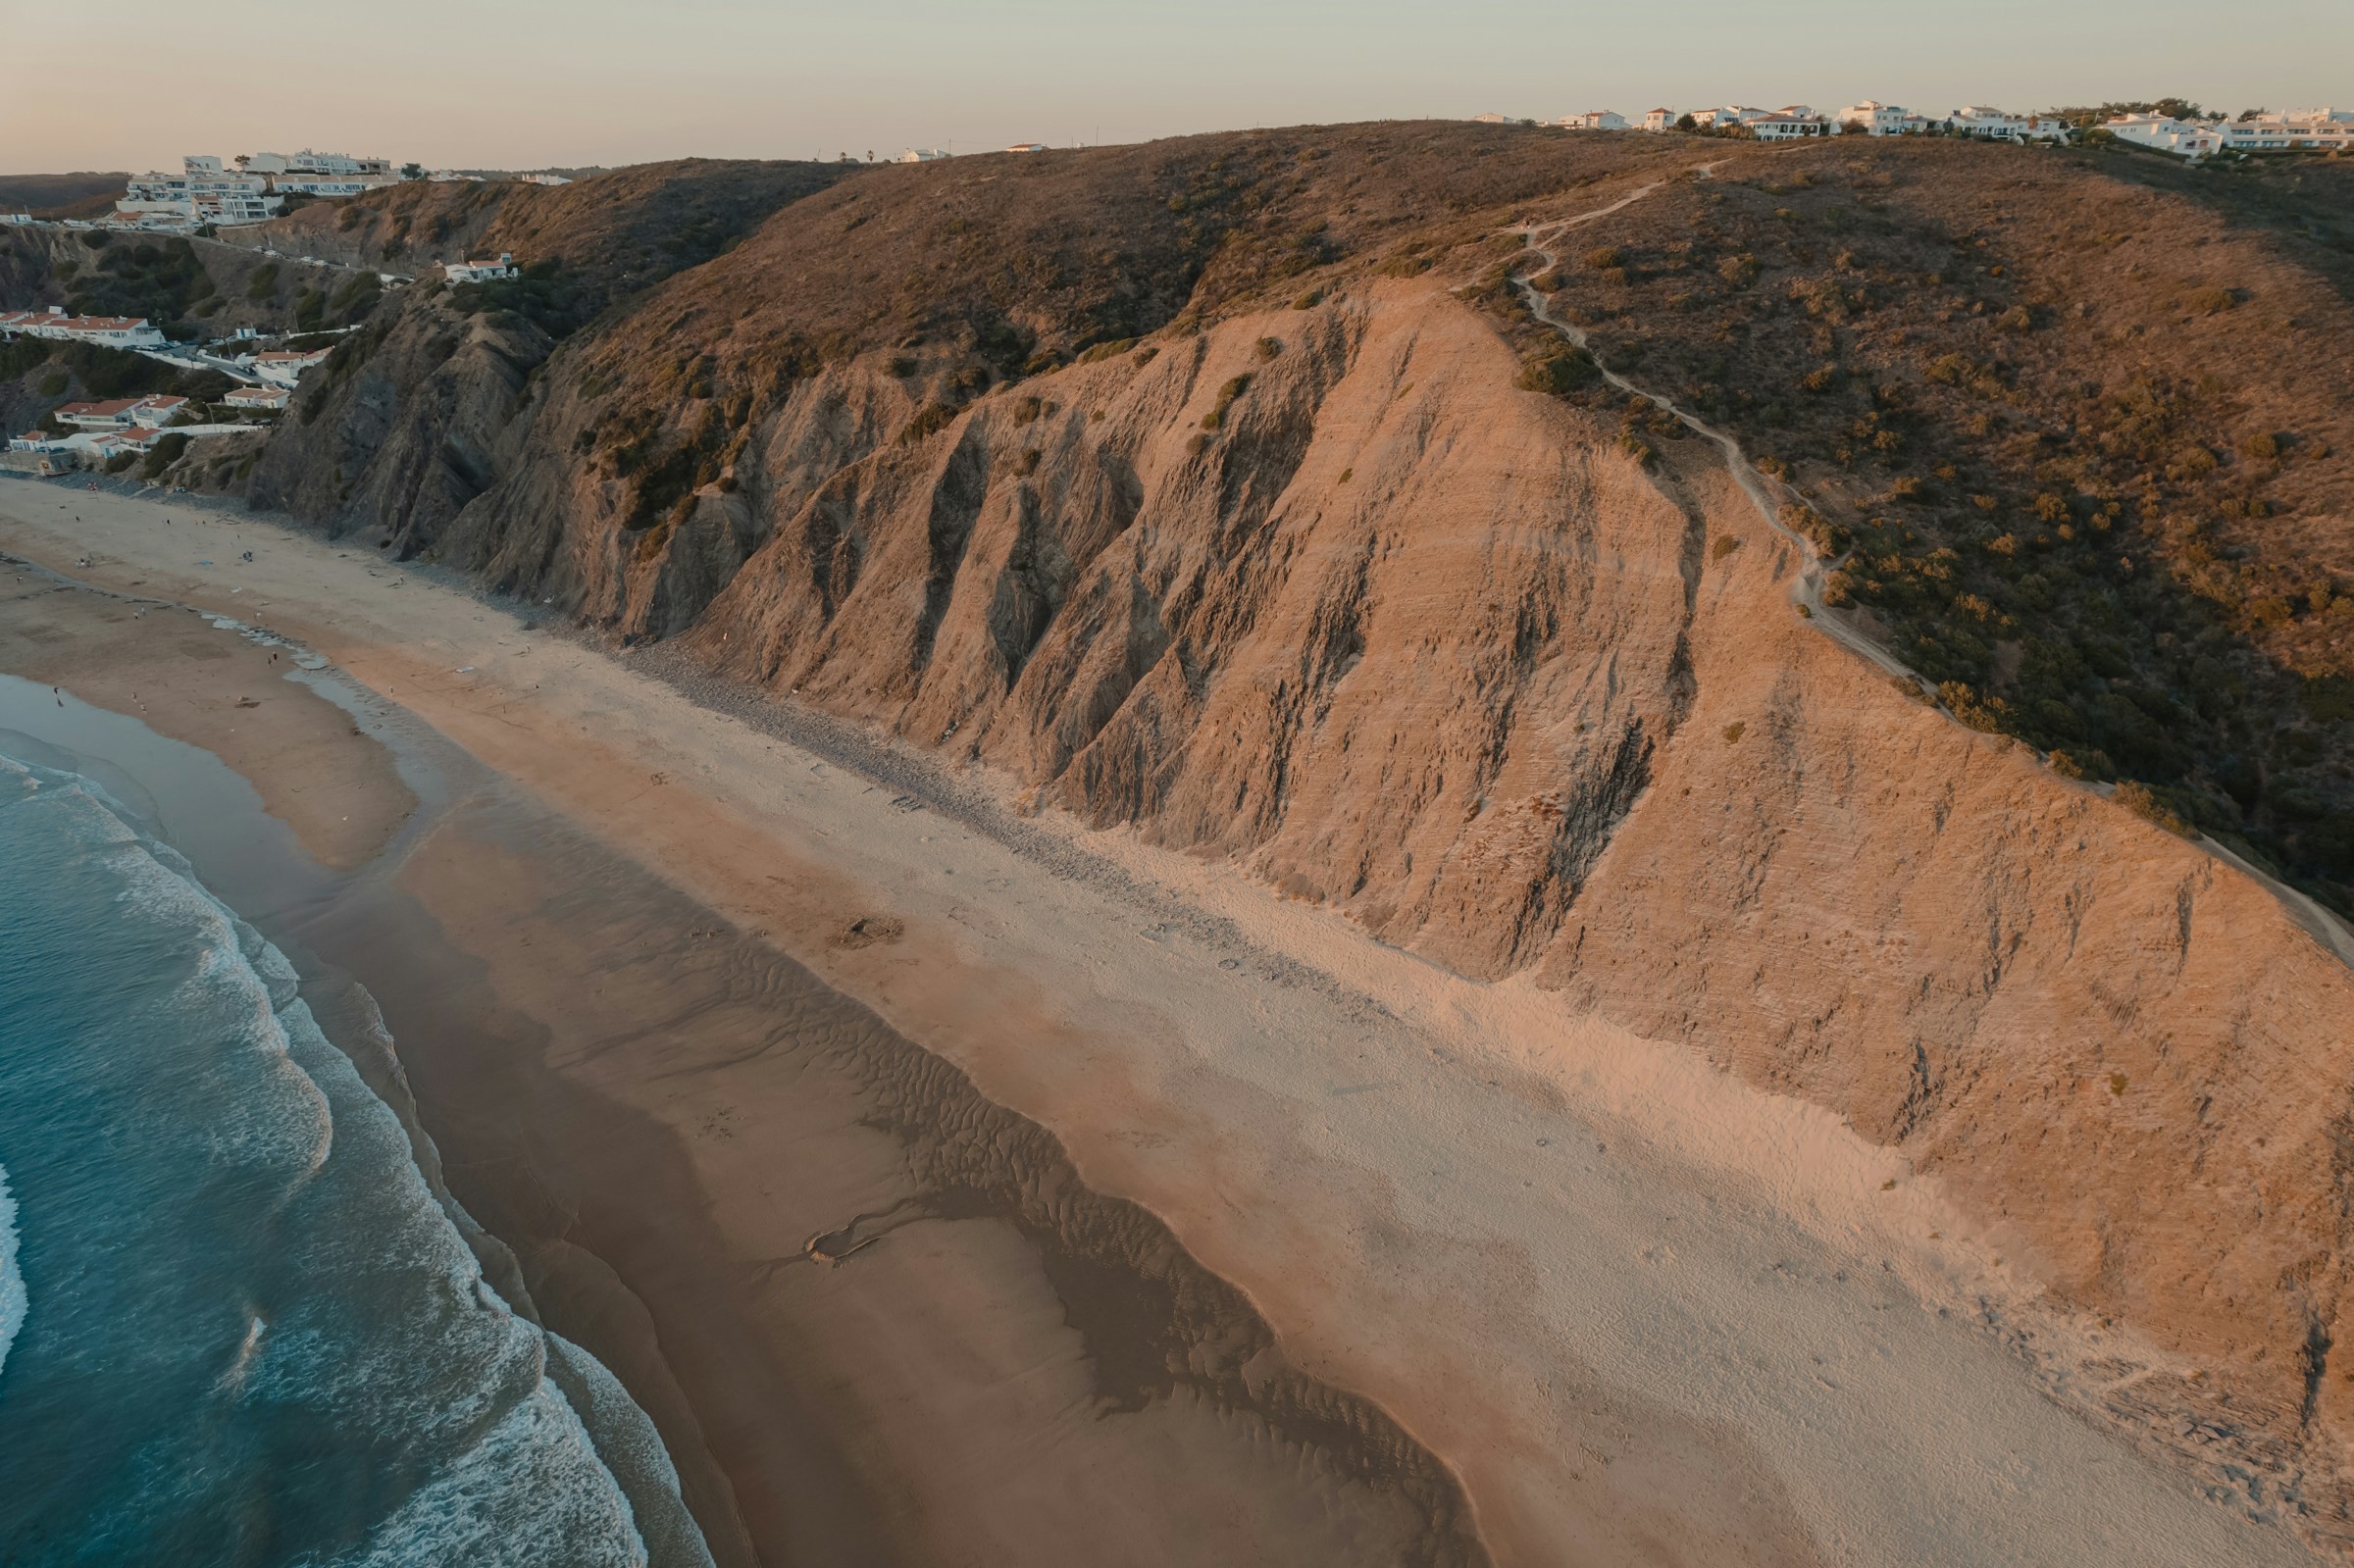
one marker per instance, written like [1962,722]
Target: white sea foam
[522,1478]
[530,1491]
[13,1301]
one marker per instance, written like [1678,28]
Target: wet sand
[877,1318]
[1645,1315]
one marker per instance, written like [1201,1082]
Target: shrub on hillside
[167,452]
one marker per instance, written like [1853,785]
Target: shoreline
[585,1193]
[1344,1132]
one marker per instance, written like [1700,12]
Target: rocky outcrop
[401,428]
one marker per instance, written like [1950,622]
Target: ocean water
[237,1326]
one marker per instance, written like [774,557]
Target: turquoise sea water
[237,1326]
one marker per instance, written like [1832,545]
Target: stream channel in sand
[1643,1314]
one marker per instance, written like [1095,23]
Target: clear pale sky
[528,83]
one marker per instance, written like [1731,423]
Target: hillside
[1228,487]
[2070,435]
[76,196]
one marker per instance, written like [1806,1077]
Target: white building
[2312,130]
[1659,119]
[138,438]
[1027,146]
[1994,123]
[283,367]
[322,184]
[320,165]
[921,155]
[203,192]
[110,332]
[2192,138]
[543,179]
[1879,119]
[1488,120]
[1594,119]
[481,271]
[123,413]
[1789,128]
[258,399]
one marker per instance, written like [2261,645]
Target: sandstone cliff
[1219,508]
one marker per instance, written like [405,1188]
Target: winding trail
[1769,495]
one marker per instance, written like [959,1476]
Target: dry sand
[1645,1315]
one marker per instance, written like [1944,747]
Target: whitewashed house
[1594,119]
[2193,139]
[482,272]
[124,413]
[258,399]
[1659,119]
[1790,126]
[920,155]
[110,331]
[1878,118]
[283,367]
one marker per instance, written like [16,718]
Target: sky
[535,84]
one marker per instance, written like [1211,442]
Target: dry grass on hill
[2083,442]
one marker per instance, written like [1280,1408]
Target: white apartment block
[226,200]
[2310,129]
[322,184]
[318,164]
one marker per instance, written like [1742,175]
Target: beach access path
[1646,1314]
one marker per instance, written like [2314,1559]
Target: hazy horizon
[532,85]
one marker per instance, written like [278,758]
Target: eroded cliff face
[1316,588]
[417,408]
[1440,653]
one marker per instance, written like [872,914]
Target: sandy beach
[955,1185]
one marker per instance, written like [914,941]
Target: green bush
[167,452]
[1215,418]
[1559,369]
[2151,806]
